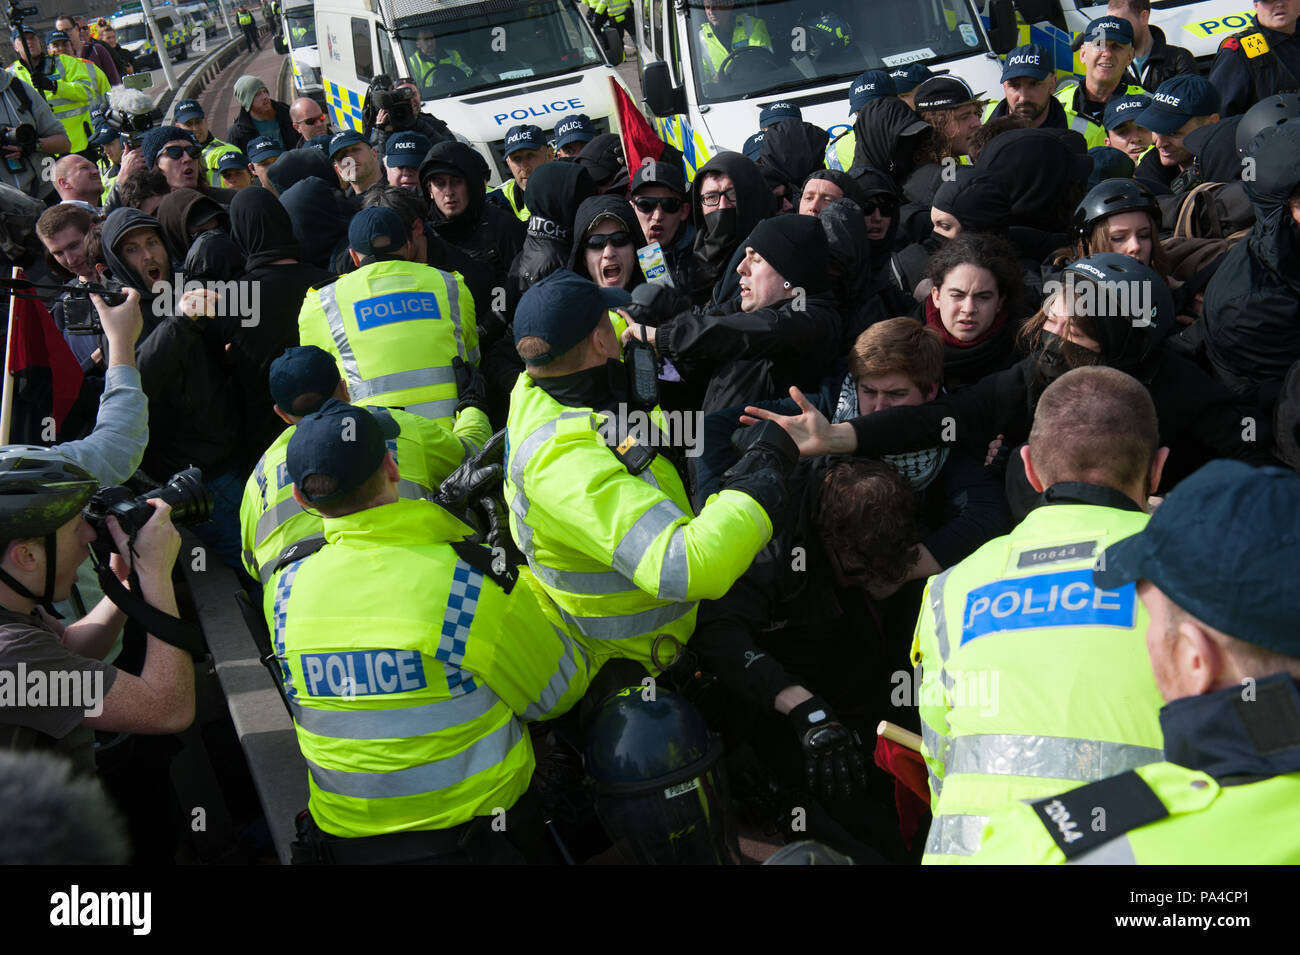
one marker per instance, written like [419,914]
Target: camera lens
[191,503]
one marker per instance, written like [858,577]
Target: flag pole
[7,398]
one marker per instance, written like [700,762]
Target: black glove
[834,765]
[479,475]
[44,82]
[470,385]
[598,21]
[767,456]
[653,304]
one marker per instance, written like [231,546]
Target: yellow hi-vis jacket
[75,89]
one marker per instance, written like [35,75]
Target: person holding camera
[64,81]
[398,110]
[28,127]
[42,493]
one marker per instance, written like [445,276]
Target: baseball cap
[868,86]
[1176,101]
[303,370]
[406,149]
[104,135]
[1124,109]
[263,147]
[1032,60]
[659,174]
[187,109]
[773,113]
[574,128]
[909,77]
[340,441]
[754,145]
[232,160]
[54,35]
[349,137]
[524,137]
[943,92]
[1217,547]
[562,309]
[13,32]
[376,231]
[1114,29]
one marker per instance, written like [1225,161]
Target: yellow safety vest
[748,30]
[422,67]
[408,671]
[75,89]
[271,520]
[839,154]
[245,19]
[212,154]
[394,328]
[621,554]
[1069,93]
[509,191]
[1034,680]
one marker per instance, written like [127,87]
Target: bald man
[76,179]
[308,118]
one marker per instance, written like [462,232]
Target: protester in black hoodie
[791,150]
[555,190]
[607,236]
[856,290]
[460,214]
[277,281]
[293,167]
[887,136]
[136,255]
[720,228]
[197,231]
[319,223]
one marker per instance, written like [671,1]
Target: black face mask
[720,226]
[1056,356]
[933,242]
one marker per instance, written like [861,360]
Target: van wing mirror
[1004,34]
[661,96]
[1036,11]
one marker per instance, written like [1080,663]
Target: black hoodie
[293,167]
[119,222]
[555,190]
[850,260]
[209,256]
[606,206]
[1044,177]
[319,222]
[489,234]
[791,151]
[879,142]
[720,232]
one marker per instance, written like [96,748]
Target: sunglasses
[884,208]
[176,152]
[617,239]
[314,120]
[669,204]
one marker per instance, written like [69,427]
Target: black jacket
[1243,81]
[879,142]
[1154,174]
[1164,61]
[720,232]
[555,190]
[319,223]
[856,287]
[1044,177]
[1252,305]
[243,128]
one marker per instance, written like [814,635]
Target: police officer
[189,113]
[1260,60]
[1213,571]
[248,27]
[393,325]
[526,148]
[617,12]
[409,664]
[21,165]
[426,61]
[1028,85]
[1182,104]
[1032,676]
[722,34]
[572,133]
[1106,50]
[599,512]
[303,379]
[64,82]
[870,85]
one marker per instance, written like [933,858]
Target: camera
[398,102]
[24,137]
[132,112]
[184,491]
[79,314]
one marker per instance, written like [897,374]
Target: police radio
[642,373]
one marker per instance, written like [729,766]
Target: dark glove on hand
[834,765]
[470,385]
[767,456]
[478,475]
[44,82]
[653,304]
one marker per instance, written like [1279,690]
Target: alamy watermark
[240,299]
[628,427]
[1104,298]
[75,689]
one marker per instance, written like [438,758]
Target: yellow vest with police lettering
[74,91]
[1092,131]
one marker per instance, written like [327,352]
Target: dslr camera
[184,491]
[24,137]
[400,104]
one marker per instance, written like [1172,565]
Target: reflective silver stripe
[936,744]
[629,625]
[443,408]
[412,491]
[329,303]
[1080,124]
[402,381]
[599,583]
[560,680]
[955,835]
[1115,852]
[270,520]
[940,618]
[1051,757]
[674,573]
[397,723]
[642,534]
[418,780]
[453,299]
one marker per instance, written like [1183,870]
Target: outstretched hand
[810,429]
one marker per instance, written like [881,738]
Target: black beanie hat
[796,247]
[978,201]
[847,184]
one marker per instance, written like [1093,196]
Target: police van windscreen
[495,42]
[302,26]
[131,33]
[744,48]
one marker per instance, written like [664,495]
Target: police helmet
[40,491]
[1108,198]
[829,33]
[661,793]
[1131,311]
[1268,113]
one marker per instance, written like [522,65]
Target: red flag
[639,139]
[47,376]
[911,785]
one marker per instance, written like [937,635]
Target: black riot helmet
[661,793]
[1107,198]
[1269,112]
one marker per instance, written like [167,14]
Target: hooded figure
[488,233]
[555,190]
[293,167]
[886,135]
[846,184]
[1215,149]
[1044,175]
[591,213]
[118,224]
[604,161]
[276,282]
[1251,314]
[720,231]
[791,150]
[978,202]
[208,255]
[849,264]
[319,223]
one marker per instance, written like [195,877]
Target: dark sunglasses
[176,152]
[884,208]
[313,120]
[670,204]
[617,239]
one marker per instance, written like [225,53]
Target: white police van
[134,35]
[298,39]
[812,53]
[482,65]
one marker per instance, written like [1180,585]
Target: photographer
[65,81]
[28,127]
[394,108]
